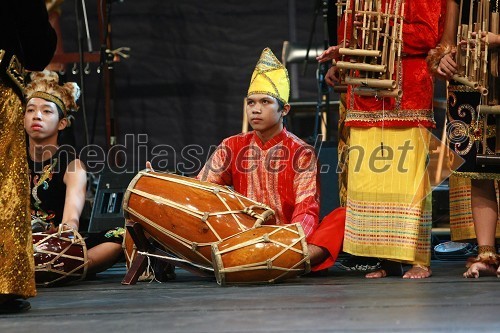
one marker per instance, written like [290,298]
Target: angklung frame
[371,58]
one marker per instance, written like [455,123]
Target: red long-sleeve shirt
[282,173]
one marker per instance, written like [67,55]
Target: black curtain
[181,91]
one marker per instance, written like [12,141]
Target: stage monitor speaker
[107,212]
[327,168]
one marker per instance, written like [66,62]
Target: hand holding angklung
[447,66]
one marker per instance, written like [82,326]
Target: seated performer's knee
[103,256]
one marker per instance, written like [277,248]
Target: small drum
[265,254]
[186,215]
[59,258]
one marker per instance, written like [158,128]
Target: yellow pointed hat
[270,77]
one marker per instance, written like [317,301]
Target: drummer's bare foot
[379,273]
[418,272]
[388,268]
[481,268]
[317,254]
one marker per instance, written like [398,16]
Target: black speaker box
[107,212]
[327,168]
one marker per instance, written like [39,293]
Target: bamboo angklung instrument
[486,73]
[472,60]
[370,62]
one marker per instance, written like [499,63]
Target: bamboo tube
[380,93]
[369,25]
[483,90]
[379,20]
[386,33]
[361,66]
[459,34]
[359,52]
[392,54]
[400,41]
[466,82]
[463,54]
[364,26]
[489,109]
[373,83]
[494,22]
[493,84]
[469,34]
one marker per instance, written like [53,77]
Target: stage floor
[340,301]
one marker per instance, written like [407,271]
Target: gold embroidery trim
[391,115]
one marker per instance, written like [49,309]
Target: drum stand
[140,263]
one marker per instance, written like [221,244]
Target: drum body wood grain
[265,254]
[186,215]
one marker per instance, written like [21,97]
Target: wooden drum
[186,215]
[265,254]
[59,257]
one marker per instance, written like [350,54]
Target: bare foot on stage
[418,272]
[388,268]
[480,267]
[379,273]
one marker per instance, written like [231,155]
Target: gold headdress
[270,77]
[46,85]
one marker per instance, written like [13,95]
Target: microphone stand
[80,10]
[323,90]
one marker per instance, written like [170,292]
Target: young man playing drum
[58,178]
[273,166]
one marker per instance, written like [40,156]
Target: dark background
[189,69]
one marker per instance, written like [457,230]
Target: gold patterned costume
[16,251]
[24,30]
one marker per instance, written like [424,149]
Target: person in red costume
[273,166]
[473,192]
[388,195]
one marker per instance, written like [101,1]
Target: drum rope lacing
[268,263]
[183,241]
[147,254]
[216,190]
[47,266]
[203,216]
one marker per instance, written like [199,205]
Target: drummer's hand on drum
[149,166]
[65,226]
[447,66]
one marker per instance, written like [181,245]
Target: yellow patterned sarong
[343,151]
[389,205]
[16,249]
[461,221]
